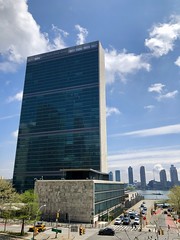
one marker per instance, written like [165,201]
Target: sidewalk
[66,235]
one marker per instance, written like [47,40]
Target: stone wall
[73,199]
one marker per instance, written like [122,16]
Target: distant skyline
[156,172]
[141,40]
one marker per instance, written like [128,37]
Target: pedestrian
[168,227]
[135,225]
[132,225]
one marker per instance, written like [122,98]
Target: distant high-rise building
[163,179]
[117,175]
[111,178]
[173,175]
[143,177]
[130,175]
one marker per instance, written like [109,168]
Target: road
[122,232]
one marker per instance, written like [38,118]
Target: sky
[141,40]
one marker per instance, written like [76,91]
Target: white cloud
[17,97]
[7,66]
[141,156]
[170,129]
[121,64]
[21,35]
[15,134]
[157,168]
[168,95]
[163,36]
[177,62]
[149,107]
[58,40]
[9,117]
[157,87]
[81,36]
[112,110]
[162,92]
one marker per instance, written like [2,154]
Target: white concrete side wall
[102,94]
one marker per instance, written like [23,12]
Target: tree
[7,192]
[8,196]
[174,198]
[29,209]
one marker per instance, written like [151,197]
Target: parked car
[137,215]
[126,214]
[143,212]
[117,221]
[132,215]
[136,221]
[107,231]
[126,221]
[121,217]
[145,208]
[170,209]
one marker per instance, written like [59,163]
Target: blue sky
[141,40]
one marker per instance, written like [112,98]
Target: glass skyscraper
[163,179]
[117,175]
[63,115]
[143,177]
[130,175]
[174,175]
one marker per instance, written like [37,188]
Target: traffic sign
[57,230]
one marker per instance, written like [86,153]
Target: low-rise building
[84,201]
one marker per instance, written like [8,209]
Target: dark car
[132,215]
[126,221]
[107,231]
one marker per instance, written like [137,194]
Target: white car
[136,221]
[117,221]
[143,212]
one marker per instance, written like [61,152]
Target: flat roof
[64,51]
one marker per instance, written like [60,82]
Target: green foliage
[174,198]
[30,207]
[8,197]
[130,188]
[20,206]
[7,192]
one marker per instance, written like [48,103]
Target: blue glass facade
[60,124]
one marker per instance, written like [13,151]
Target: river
[154,194]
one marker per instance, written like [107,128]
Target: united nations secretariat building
[62,135]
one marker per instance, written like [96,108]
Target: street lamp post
[57,217]
[44,205]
